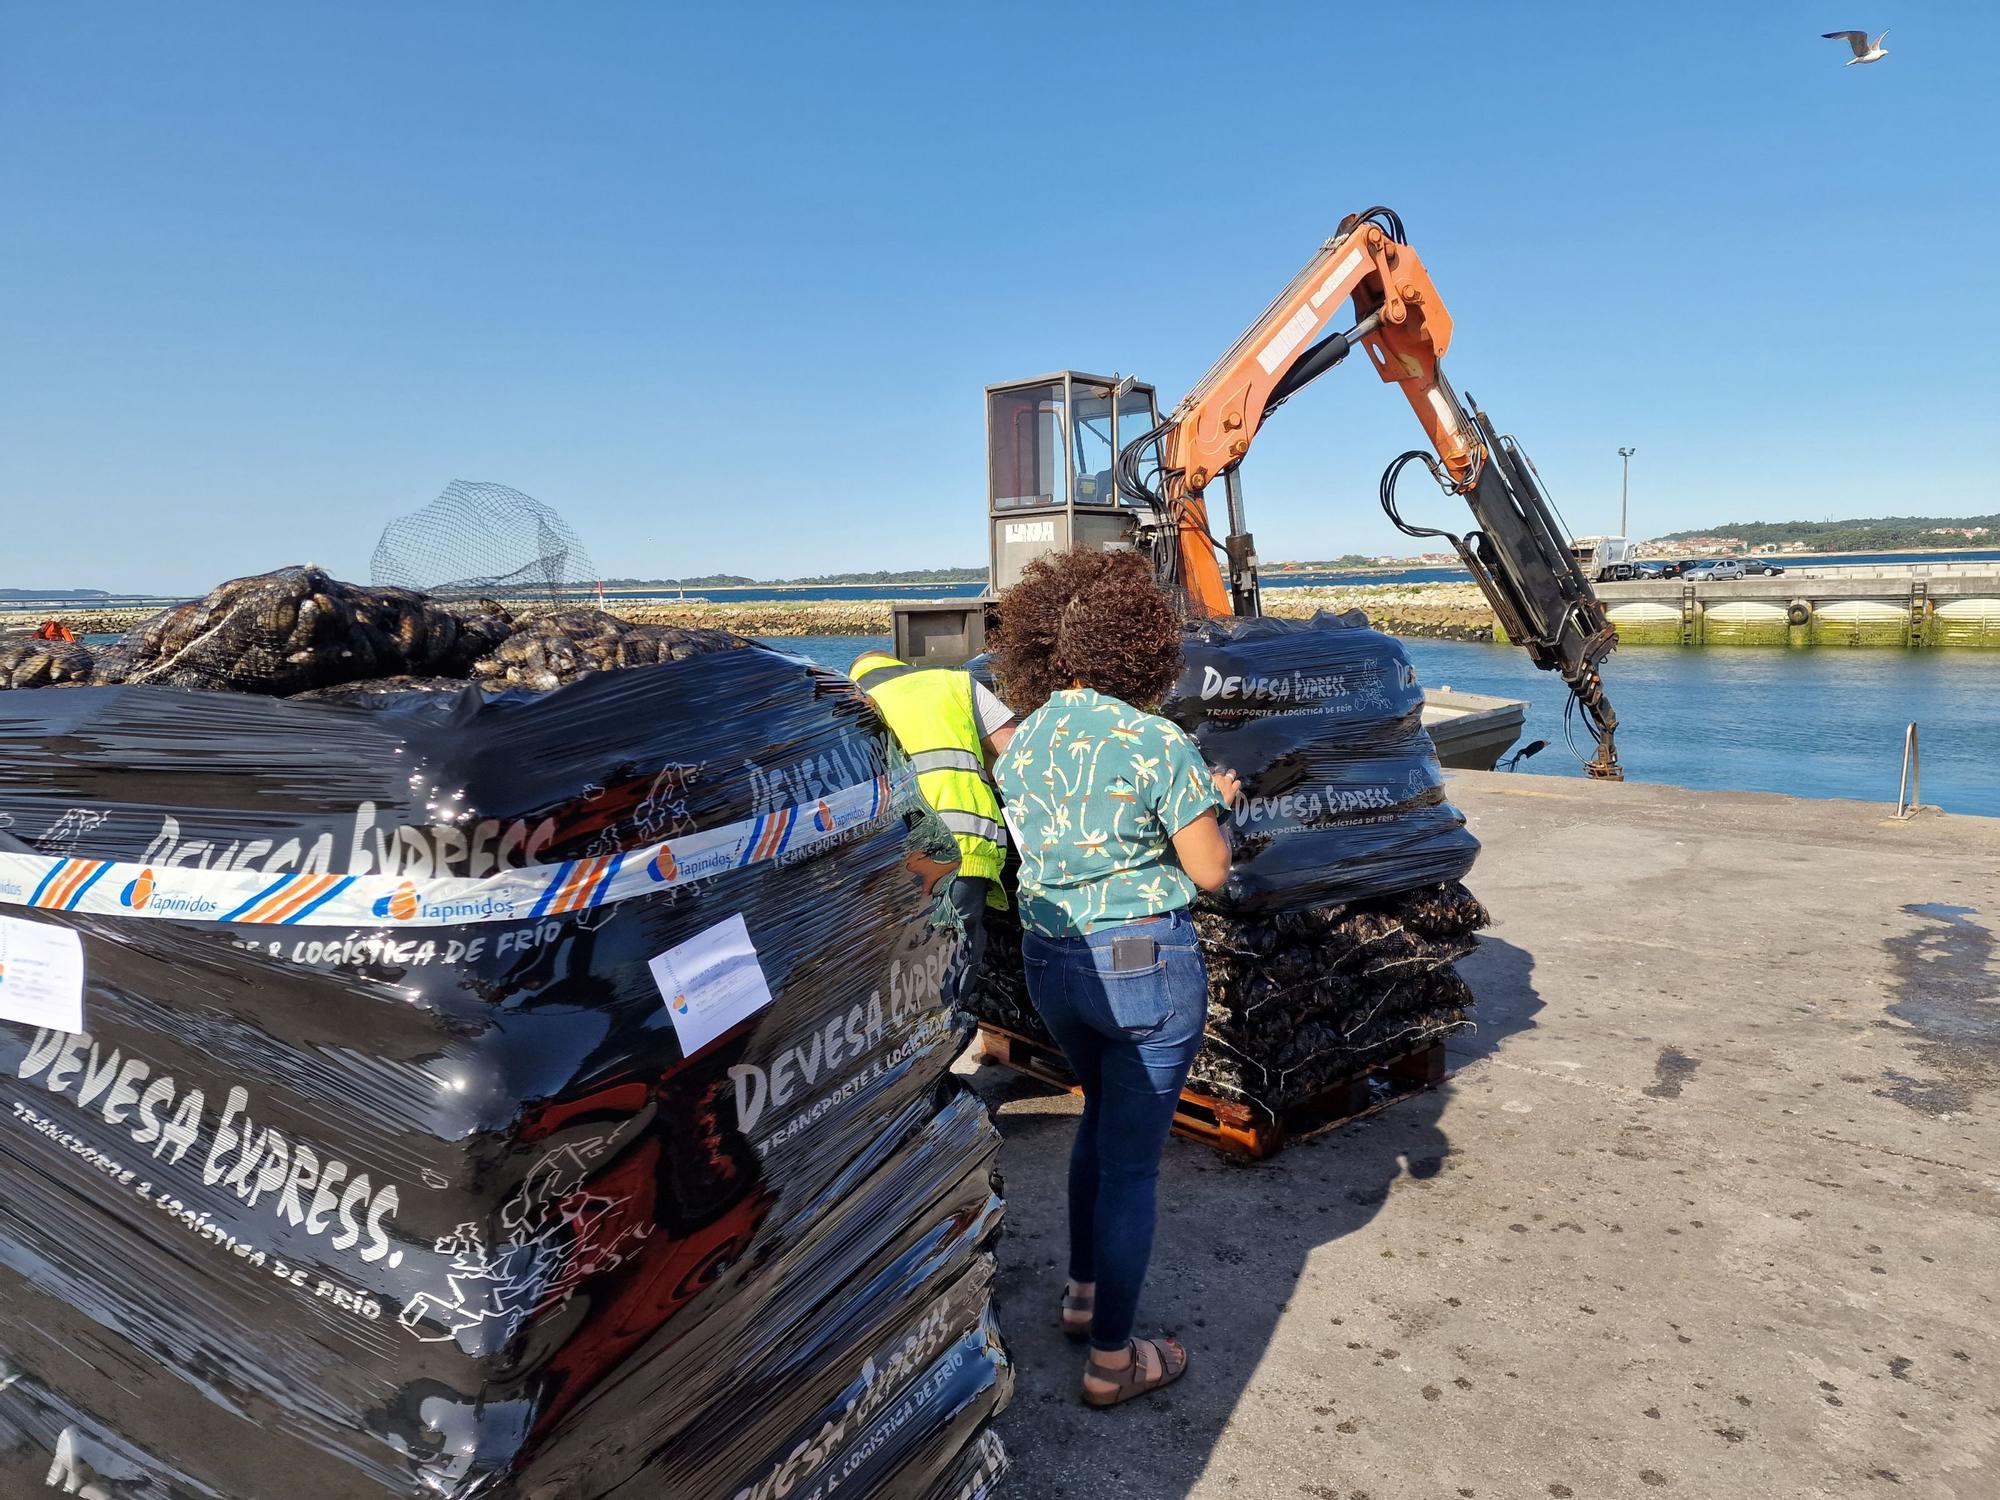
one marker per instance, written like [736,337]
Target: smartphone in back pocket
[1129,953]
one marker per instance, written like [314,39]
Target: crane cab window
[1027,458]
[1091,448]
[1055,443]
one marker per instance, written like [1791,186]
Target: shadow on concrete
[1502,979]
[1234,1245]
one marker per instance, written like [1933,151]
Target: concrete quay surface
[1710,1208]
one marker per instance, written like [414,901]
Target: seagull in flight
[1865,51]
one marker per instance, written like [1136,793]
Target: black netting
[484,541]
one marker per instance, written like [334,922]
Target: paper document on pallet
[710,982]
[41,975]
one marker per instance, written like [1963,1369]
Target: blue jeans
[1130,1035]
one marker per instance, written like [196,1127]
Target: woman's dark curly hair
[1091,617]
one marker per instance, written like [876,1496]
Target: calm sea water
[1813,723]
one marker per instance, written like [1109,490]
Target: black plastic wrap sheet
[428,1201]
[1322,719]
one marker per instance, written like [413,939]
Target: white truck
[1604,559]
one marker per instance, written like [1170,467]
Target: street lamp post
[1624,491]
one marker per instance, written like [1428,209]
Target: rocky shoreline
[82,621]
[1427,611]
[1431,611]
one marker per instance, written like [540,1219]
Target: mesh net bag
[483,541]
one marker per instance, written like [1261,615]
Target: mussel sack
[29,661]
[297,629]
[1296,999]
[554,649]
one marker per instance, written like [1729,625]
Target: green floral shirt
[1095,789]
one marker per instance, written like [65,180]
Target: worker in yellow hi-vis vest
[952,729]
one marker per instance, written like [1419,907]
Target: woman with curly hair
[1114,814]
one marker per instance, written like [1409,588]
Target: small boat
[1471,730]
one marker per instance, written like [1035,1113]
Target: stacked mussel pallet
[1331,954]
[479,909]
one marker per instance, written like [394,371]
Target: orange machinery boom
[1401,322]
[1517,553]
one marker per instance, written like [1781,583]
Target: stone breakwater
[778,617]
[1431,611]
[845,617]
[1434,611]
[82,621]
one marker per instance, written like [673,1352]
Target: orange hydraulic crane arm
[1518,552]
[1401,322]
[1408,332]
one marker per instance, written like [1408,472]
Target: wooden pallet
[1229,1125]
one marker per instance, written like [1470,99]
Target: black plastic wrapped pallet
[1322,719]
[379,1167]
[1330,951]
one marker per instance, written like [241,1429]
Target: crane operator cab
[1052,447]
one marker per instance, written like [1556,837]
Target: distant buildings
[1692,546]
[1851,536]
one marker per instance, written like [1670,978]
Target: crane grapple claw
[1520,557]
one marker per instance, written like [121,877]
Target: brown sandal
[1074,1305]
[1128,1383]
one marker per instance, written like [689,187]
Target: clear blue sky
[723,284]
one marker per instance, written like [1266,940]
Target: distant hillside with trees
[1344,561]
[1864,534]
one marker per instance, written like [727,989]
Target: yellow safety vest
[931,713]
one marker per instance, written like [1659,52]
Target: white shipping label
[711,982]
[41,975]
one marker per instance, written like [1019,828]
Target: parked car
[1758,565]
[1653,571]
[1714,572]
[1675,569]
